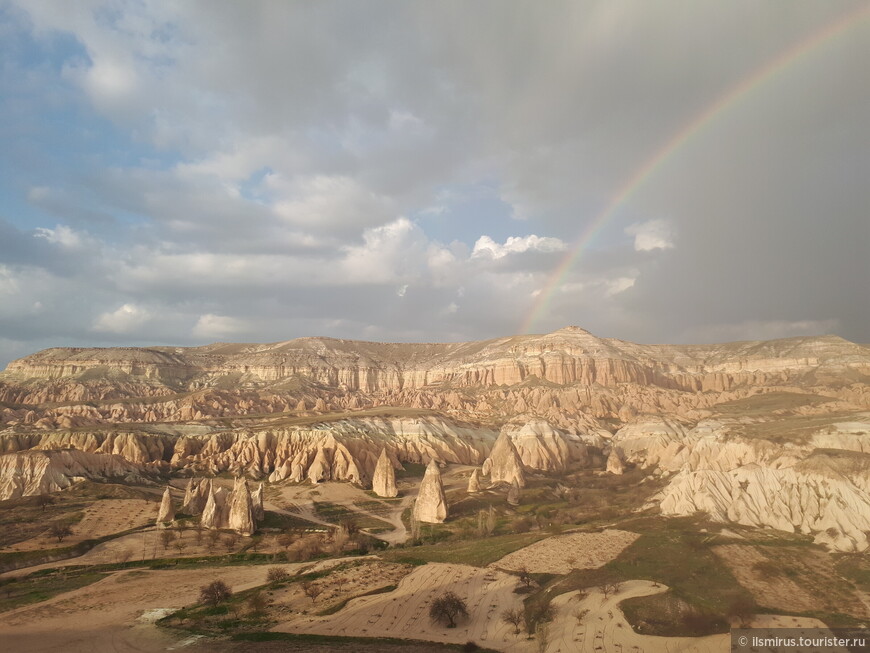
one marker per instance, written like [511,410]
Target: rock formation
[166,514]
[504,464]
[431,503]
[614,463]
[474,482]
[213,513]
[257,501]
[29,473]
[384,478]
[513,495]
[240,517]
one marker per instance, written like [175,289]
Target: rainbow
[726,100]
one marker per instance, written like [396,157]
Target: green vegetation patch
[335,514]
[478,552]
[18,592]
[373,644]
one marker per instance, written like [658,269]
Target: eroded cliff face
[717,419]
[793,473]
[569,374]
[29,473]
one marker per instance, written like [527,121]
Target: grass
[335,514]
[311,642]
[282,521]
[18,592]
[476,552]
[23,519]
[671,552]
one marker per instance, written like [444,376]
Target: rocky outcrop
[166,514]
[542,447]
[30,473]
[431,503]
[237,510]
[504,464]
[384,478]
[614,463]
[474,482]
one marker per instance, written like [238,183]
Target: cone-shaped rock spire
[167,511]
[504,464]
[384,479]
[431,503]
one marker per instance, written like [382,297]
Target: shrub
[277,575]
[215,592]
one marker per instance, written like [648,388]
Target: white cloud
[211,326]
[127,318]
[650,235]
[618,285]
[392,252]
[60,235]
[486,246]
[402,290]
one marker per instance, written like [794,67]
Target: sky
[217,171]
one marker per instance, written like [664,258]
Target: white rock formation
[240,517]
[614,463]
[474,482]
[167,511]
[431,503]
[257,501]
[28,473]
[504,464]
[384,478]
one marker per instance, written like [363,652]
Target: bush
[448,609]
[215,592]
[277,575]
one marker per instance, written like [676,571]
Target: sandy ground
[101,518]
[559,554]
[405,611]
[341,584]
[605,629]
[113,614]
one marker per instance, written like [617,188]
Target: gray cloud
[287,164]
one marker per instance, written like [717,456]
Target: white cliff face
[543,447]
[431,503]
[504,464]
[793,485]
[29,473]
[384,479]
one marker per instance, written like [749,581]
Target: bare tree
[60,531]
[257,603]
[215,592]
[608,587]
[44,500]
[490,521]
[448,609]
[213,538]
[311,590]
[515,618]
[525,576]
[277,575]
[230,542]
[167,537]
